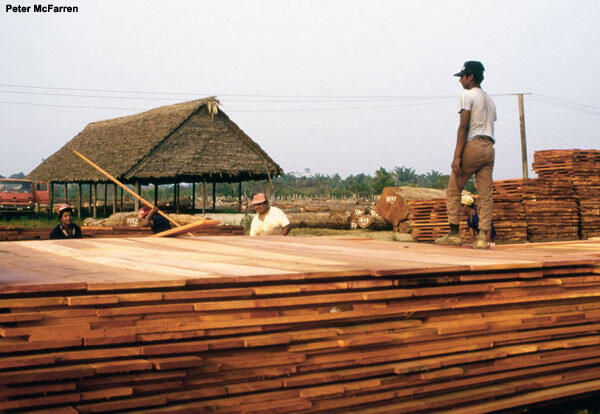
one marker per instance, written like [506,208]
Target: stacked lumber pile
[551,208]
[582,169]
[393,203]
[403,342]
[428,220]
[10,233]
[510,220]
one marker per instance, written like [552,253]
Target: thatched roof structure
[186,142]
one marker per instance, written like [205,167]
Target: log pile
[420,341]
[582,169]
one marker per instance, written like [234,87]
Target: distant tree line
[363,185]
[294,184]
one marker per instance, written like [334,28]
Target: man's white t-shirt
[274,221]
[483,112]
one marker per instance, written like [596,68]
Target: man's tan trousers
[478,158]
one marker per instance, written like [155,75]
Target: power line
[73,106]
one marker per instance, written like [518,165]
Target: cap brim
[459,73]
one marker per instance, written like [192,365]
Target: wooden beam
[193,197]
[214,196]
[94,199]
[105,198]
[138,190]
[203,197]
[79,199]
[114,199]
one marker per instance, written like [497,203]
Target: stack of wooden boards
[562,204]
[22,233]
[432,334]
[580,168]
[551,209]
[428,220]
[509,219]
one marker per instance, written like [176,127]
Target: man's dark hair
[478,76]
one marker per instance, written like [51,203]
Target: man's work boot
[452,238]
[481,241]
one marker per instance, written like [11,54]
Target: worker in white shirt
[268,220]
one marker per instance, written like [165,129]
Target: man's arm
[146,221]
[286,229]
[461,140]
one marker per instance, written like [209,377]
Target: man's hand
[456,169]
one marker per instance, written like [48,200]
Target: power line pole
[523,138]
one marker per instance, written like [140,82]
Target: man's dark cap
[471,66]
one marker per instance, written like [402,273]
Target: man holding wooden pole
[474,154]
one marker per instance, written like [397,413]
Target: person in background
[268,220]
[66,229]
[151,218]
[470,211]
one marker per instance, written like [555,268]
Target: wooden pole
[214,196]
[105,198]
[90,202]
[177,198]
[121,199]
[79,199]
[66,196]
[114,198]
[51,197]
[240,197]
[203,198]
[94,198]
[113,179]
[138,190]
[523,139]
[193,197]
[155,194]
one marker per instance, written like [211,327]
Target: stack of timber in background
[428,220]
[393,204]
[510,220]
[582,169]
[551,208]
[457,338]
[10,233]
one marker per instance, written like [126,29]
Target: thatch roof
[183,142]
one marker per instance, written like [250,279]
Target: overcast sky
[330,86]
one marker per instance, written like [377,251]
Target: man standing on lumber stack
[474,154]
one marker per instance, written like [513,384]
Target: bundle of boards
[298,325]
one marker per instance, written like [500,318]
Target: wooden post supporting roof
[94,198]
[155,194]
[214,196]
[79,199]
[240,196]
[193,197]
[114,199]
[203,197]
[51,197]
[105,198]
[138,190]
[90,201]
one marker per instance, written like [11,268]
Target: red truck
[22,196]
